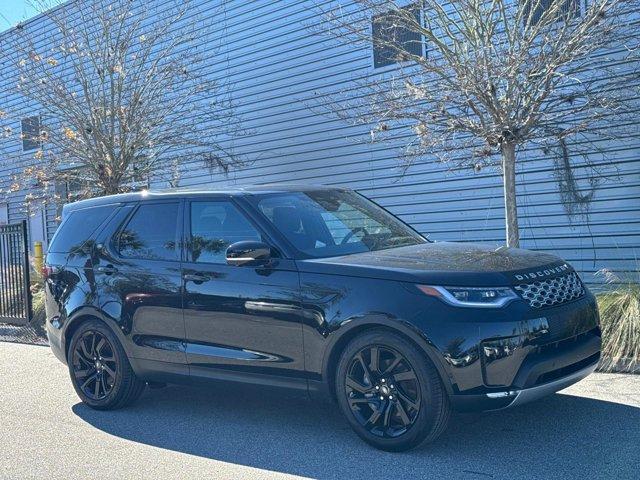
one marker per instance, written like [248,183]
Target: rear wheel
[390,392]
[100,370]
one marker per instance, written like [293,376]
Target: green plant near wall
[620,317]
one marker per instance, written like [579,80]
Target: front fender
[349,328]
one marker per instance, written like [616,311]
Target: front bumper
[512,362]
[514,397]
[530,394]
[573,365]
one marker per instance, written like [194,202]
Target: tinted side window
[151,233]
[215,226]
[78,227]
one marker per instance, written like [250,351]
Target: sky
[14,11]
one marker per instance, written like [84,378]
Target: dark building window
[568,9]
[70,189]
[30,133]
[392,39]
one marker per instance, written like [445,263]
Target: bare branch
[123,95]
[497,75]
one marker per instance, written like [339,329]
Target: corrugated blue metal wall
[279,70]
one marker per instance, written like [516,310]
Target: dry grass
[39,315]
[620,317]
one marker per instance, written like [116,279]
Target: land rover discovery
[315,289]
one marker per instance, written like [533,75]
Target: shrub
[37,301]
[39,315]
[620,317]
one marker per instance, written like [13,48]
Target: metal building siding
[280,70]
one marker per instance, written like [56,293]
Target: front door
[242,322]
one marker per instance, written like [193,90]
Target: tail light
[49,270]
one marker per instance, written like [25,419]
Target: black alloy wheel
[383,391]
[99,368]
[390,392]
[94,365]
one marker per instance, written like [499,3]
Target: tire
[100,370]
[402,403]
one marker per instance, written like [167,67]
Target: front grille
[554,291]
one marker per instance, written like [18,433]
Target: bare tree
[494,76]
[122,94]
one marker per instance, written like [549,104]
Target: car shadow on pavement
[562,436]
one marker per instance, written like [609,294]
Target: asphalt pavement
[590,430]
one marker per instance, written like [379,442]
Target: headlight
[483,297]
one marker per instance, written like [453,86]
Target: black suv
[316,289]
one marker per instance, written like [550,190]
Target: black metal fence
[15,295]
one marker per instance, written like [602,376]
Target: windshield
[328,223]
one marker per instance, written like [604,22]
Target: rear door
[242,322]
[138,278]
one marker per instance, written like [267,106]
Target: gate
[15,294]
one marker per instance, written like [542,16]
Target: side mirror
[248,252]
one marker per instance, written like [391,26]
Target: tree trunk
[110,187]
[510,203]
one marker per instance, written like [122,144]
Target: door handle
[107,269]
[195,278]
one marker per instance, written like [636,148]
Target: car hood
[444,263]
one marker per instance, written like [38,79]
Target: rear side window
[151,233]
[79,227]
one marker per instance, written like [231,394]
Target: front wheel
[100,370]
[390,393]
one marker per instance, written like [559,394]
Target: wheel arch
[83,315]
[350,330]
